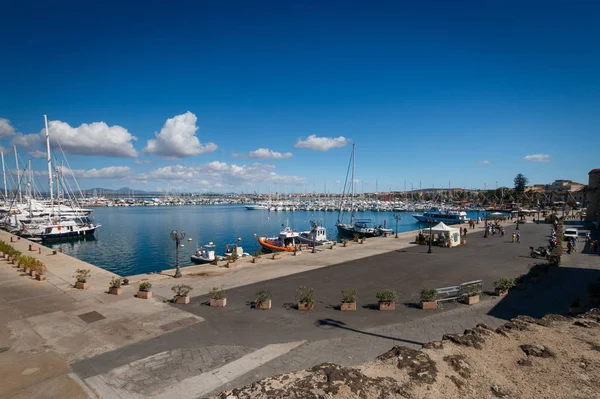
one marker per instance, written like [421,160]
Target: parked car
[571,233]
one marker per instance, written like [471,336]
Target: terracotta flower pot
[32,272]
[181,299]
[387,305]
[144,294]
[218,303]
[306,305]
[472,300]
[297,253]
[500,292]
[347,306]
[264,305]
[82,286]
[428,305]
[40,277]
[115,291]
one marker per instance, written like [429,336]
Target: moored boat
[285,241]
[435,215]
[204,254]
[315,236]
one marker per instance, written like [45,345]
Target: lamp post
[517,220]
[430,237]
[485,235]
[397,217]
[177,237]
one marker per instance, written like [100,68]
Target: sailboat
[362,227]
[56,225]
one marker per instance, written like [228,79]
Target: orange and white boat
[285,241]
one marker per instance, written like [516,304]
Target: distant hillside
[124,191]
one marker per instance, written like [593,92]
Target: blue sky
[466,93]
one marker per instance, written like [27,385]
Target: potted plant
[81,277]
[428,301]
[217,260]
[125,281]
[115,286]
[144,290]
[40,271]
[297,250]
[263,300]
[344,243]
[472,295]
[305,297]
[257,257]
[575,307]
[356,237]
[363,239]
[387,299]
[231,260]
[502,285]
[276,254]
[181,294]
[348,300]
[218,297]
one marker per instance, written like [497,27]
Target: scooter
[540,251]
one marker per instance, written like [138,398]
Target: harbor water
[135,240]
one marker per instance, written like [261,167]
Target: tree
[520,183]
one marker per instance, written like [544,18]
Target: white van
[571,233]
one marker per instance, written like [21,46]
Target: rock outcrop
[555,356]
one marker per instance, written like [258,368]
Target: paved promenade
[150,348]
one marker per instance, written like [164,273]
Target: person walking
[518,236]
[502,232]
[569,247]
[514,237]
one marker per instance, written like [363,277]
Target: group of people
[492,229]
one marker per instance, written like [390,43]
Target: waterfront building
[593,196]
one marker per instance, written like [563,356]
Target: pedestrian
[514,237]
[502,232]
[569,247]
[518,236]
[465,232]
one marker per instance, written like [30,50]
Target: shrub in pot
[144,290]
[218,297]
[40,271]
[125,281]
[257,257]
[348,300]
[502,285]
[181,294]
[305,297]
[472,295]
[263,300]
[387,299]
[428,299]
[115,286]
[81,277]
[217,260]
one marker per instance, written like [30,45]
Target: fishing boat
[435,215]
[317,235]
[285,241]
[205,254]
[231,249]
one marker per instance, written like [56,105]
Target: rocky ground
[552,357]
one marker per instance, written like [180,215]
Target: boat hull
[199,260]
[265,243]
[308,241]
[427,219]
[68,234]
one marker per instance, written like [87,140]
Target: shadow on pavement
[340,324]
[548,290]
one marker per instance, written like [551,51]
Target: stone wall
[593,197]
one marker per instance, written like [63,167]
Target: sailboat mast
[4,174]
[29,186]
[18,175]
[352,197]
[49,165]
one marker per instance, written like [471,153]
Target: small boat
[285,241]
[204,255]
[316,236]
[257,207]
[230,249]
[435,215]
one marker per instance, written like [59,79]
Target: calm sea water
[135,240]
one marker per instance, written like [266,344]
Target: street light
[397,217]
[177,237]
[430,236]
[517,220]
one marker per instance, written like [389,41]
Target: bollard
[11,238]
[31,247]
[60,250]
[53,252]
[40,250]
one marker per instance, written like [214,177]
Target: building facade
[593,196]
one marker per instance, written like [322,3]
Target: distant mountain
[124,191]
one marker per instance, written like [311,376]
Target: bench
[458,292]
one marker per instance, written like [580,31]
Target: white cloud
[321,143]
[96,138]
[484,163]
[220,174]
[6,129]
[28,141]
[263,153]
[110,172]
[177,138]
[37,154]
[538,158]
[142,161]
